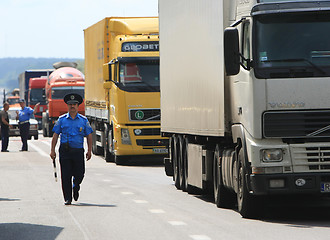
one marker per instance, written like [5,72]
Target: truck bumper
[297,183]
[141,144]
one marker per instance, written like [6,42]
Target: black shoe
[67,202]
[23,150]
[4,151]
[75,195]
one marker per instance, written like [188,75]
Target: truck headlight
[272,155]
[125,138]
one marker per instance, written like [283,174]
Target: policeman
[72,127]
[23,116]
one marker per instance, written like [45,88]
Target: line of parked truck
[238,95]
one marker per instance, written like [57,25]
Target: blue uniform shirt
[25,114]
[73,131]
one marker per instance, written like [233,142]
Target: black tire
[35,137]
[249,206]
[185,185]
[223,197]
[176,175]
[44,132]
[50,130]
[180,163]
[94,148]
[43,124]
[108,144]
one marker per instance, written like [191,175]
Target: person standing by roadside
[23,116]
[72,127]
[4,119]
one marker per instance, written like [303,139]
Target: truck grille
[296,124]
[147,132]
[307,158]
[144,114]
[152,142]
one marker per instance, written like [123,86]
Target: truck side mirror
[107,72]
[231,51]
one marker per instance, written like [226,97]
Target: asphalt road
[133,202]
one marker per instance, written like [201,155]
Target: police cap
[73,98]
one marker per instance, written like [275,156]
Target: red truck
[62,81]
[36,94]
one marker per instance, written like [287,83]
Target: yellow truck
[122,91]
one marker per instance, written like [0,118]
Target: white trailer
[245,99]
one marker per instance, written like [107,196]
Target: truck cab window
[245,42]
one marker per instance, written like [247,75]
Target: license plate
[160,150]
[325,187]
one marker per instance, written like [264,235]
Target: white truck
[245,98]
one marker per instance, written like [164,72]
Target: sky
[54,28]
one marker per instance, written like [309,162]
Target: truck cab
[36,94]
[61,82]
[123,88]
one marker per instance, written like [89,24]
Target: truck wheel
[248,205]
[176,175]
[184,165]
[180,163]
[93,138]
[50,130]
[44,132]
[43,125]
[108,144]
[35,137]
[222,196]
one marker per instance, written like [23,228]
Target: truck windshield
[292,45]
[139,77]
[12,101]
[37,95]
[60,92]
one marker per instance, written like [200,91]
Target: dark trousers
[24,132]
[4,138]
[72,170]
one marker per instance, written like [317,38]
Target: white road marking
[156,211]
[177,223]
[78,225]
[127,193]
[107,180]
[200,237]
[41,152]
[47,143]
[140,201]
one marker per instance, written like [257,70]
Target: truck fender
[240,140]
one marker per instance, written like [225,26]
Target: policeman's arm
[89,145]
[35,108]
[54,142]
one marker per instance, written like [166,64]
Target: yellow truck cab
[122,87]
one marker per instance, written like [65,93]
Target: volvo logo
[300,182]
